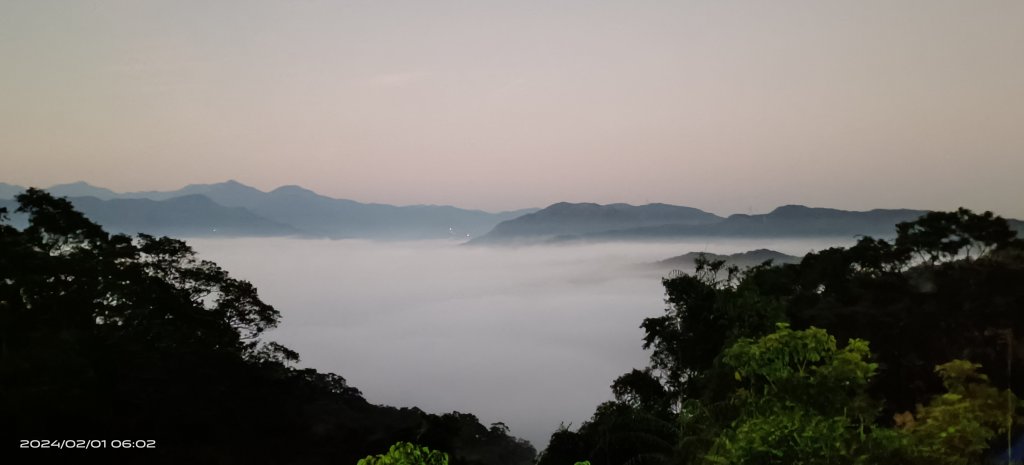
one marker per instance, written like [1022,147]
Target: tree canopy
[112,336]
[946,294]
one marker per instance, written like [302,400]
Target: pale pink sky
[721,105]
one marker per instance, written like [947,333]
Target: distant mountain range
[564,222]
[785,221]
[234,209]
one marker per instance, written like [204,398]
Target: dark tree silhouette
[950,286]
[115,337]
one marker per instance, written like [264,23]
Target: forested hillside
[134,338]
[902,352]
[897,352]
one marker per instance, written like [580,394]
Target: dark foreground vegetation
[133,338]
[903,352]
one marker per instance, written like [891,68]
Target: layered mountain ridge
[234,209]
[231,209]
[570,223]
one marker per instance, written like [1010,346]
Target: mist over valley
[512,233]
[523,317]
[530,336]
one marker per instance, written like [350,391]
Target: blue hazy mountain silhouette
[563,223]
[233,208]
[581,219]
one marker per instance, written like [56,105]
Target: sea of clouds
[530,336]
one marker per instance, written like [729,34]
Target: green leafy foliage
[957,427]
[793,436]
[802,400]
[745,389]
[791,367]
[404,453]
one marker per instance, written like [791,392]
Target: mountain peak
[569,219]
[292,189]
[791,208]
[73,184]
[232,185]
[228,183]
[792,211]
[81,189]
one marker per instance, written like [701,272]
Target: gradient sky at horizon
[728,106]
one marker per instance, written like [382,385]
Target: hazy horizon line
[265,191]
[493,211]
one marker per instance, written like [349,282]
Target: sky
[732,107]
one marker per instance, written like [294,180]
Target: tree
[706,312]
[565,446]
[802,400]
[640,389]
[155,286]
[947,288]
[957,427]
[617,433]
[939,236]
[404,453]
[136,337]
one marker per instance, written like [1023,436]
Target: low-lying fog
[529,336]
